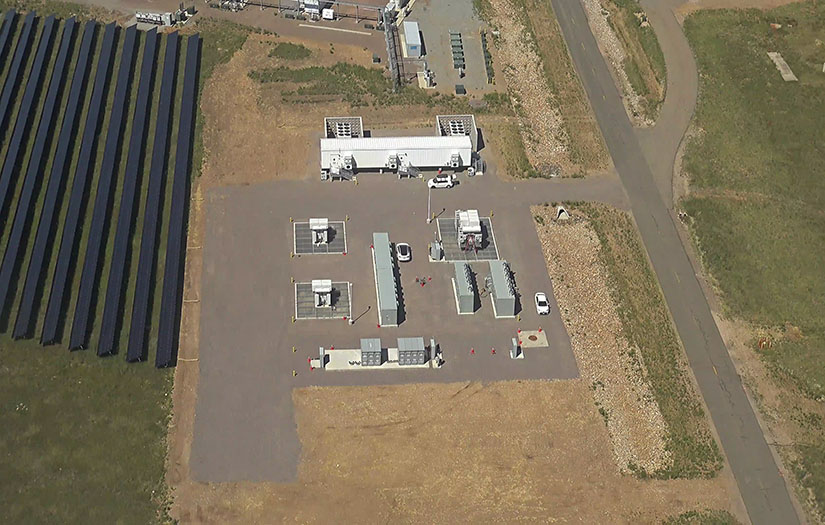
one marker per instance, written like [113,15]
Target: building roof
[396,143]
[411,34]
[407,344]
[371,345]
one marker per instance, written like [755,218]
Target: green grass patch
[354,84]
[507,140]
[290,51]
[758,192]
[83,438]
[62,10]
[647,326]
[702,517]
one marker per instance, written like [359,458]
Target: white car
[542,306]
[441,181]
[403,251]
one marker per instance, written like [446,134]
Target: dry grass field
[532,451]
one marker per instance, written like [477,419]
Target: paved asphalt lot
[762,487]
[244,424]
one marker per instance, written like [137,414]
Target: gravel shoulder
[625,343]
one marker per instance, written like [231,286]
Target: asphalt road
[761,485]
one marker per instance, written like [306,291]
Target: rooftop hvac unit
[455,160]
[349,162]
[392,162]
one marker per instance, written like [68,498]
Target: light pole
[429,197]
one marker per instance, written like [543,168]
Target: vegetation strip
[46,225]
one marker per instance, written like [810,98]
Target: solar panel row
[100,213]
[82,171]
[57,177]
[24,114]
[114,287]
[173,268]
[5,34]
[154,194]
[15,69]
[33,171]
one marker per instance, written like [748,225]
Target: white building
[412,39]
[346,150]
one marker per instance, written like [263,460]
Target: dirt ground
[428,453]
[249,135]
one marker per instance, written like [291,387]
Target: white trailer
[392,153]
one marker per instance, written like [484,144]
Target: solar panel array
[44,128]
[10,163]
[96,229]
[12,82]
[151,215]
[65,257]
[91,262]
[57,178]
[114,288]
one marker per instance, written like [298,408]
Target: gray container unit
[503,289]
[411,351]
[385,280]
[464,288]
[371,352]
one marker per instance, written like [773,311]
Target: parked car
[403,251]
[542,306]
[441,181]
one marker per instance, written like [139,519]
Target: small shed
[371,352]
[411,351]
[412,39]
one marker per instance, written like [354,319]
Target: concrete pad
[453,252]
[350,360]
[783,67]
[305,302]
[302,239]
[533,339]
